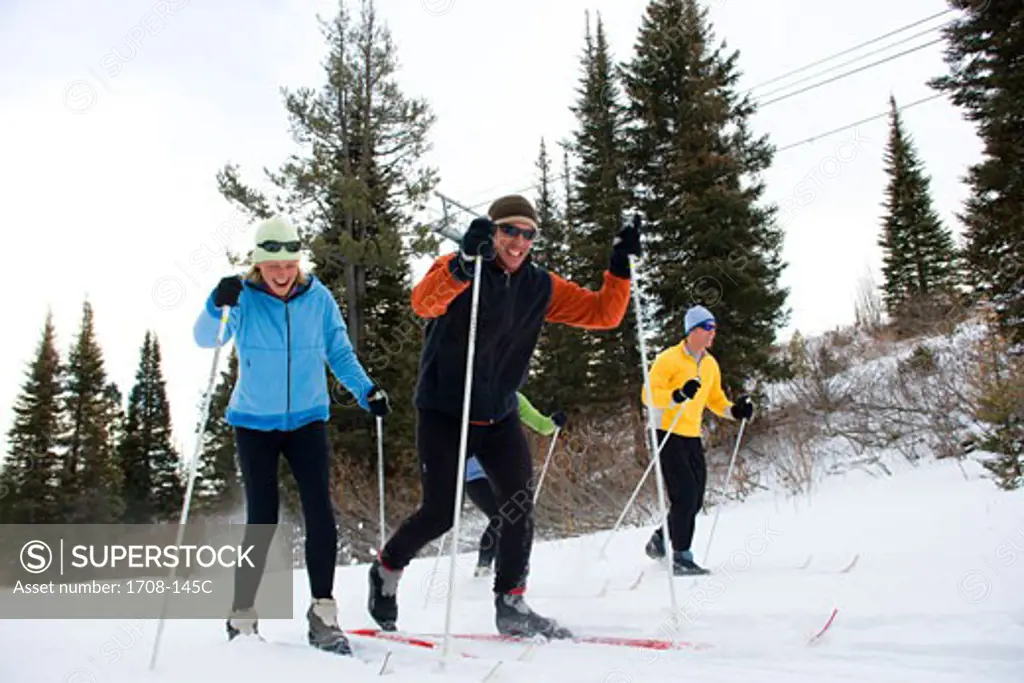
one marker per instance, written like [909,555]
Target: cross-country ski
[588,341]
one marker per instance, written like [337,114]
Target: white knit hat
[280,233]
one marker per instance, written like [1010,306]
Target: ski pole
[547,461]
[650,423]
[460,472]
[380,477]
[725,485]
[639,486]
[225,312]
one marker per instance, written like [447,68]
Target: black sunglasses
[516,231]
[273,246]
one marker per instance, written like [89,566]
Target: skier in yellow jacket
[686,378]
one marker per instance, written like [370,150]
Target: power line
[834,78]
[849,62]
[846,74]
[472,209]
[856,123]
[851,49]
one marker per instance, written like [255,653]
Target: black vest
[509,320]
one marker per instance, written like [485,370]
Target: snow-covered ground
[935,595]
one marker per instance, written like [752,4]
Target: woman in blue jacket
[286,325]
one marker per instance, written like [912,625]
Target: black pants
[686,475]
[308,454]
[504,455]
[482,495]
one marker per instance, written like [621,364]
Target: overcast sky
[115,117]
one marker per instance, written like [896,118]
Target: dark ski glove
[559,418]
[743,409]
[227,291]
[626,243]
[478,239]
[687,391]
[378,401]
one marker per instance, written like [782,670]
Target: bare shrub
[869,308]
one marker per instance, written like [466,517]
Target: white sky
[120,194]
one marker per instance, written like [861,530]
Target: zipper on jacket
[288,343]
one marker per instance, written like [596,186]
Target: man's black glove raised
[477,240]
[687,391]
[626,244]
[743,409]
[559,418]
[227,291]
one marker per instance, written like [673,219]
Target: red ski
[817,636]
[432,639]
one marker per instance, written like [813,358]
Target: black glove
[227,291]
[687,391]
[743,409]
[626,243]
[378,401]
[559,418]
[478,239]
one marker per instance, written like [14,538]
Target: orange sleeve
[437,289]
[578,307]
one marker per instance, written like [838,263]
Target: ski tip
[821,632]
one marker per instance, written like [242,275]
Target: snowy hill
[931,593]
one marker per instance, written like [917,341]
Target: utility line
[813,138]
[845,74]
[851,49]
[848,62]
[834,78]
[856,123]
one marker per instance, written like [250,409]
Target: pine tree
[355,193]
[602,199]
[91,478]
[983,52]
[919,257]
[560,368]
[218,480]
[29,476]
[152,488]
[694,166]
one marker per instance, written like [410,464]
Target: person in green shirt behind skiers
[479,490]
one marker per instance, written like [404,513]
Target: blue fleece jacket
[284,348]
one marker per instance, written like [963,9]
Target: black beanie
[513,207]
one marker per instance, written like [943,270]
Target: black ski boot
[383,603]
[324,632]
[242,622]
[655,547]
[514,618]
[683,565]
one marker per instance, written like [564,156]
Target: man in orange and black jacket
[517,297]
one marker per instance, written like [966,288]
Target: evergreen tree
[695,165]
[919,257]
[152,489]
[602,199]
[91,478]
[355,193]
[560,368]
[29,476]
[218,480]
[983,52]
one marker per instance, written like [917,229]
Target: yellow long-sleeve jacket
[671,369]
